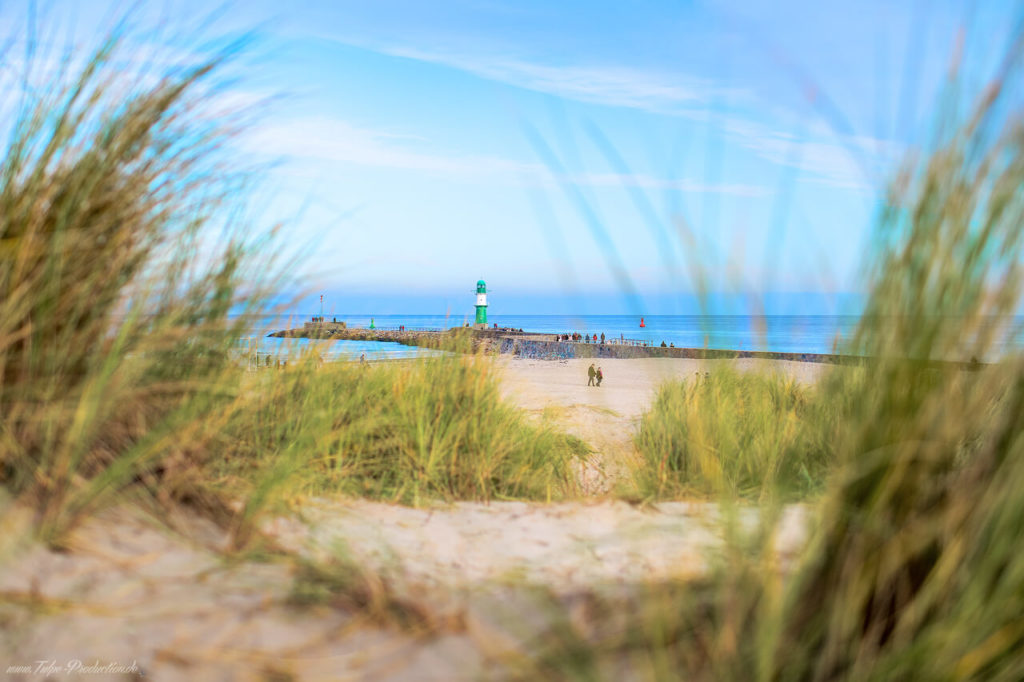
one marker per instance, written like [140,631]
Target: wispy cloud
[850,162]
[829,158]
[646,181]
[338,141]
[332,139]
[613,85]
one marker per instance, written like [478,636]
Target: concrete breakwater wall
[542,347]
[557,350]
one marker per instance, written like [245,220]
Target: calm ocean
[783,333]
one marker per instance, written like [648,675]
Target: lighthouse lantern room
[481,304]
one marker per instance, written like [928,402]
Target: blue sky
[584,157]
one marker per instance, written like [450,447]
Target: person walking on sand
[591,373]
[600,376]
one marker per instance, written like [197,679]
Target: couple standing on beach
[594,373]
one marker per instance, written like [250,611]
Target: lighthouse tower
[481,304]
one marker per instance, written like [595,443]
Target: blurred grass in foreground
[121,267]
[117,273]
[914,568]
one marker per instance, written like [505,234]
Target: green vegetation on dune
[731,433]
[914,568]
[406,431]
[120,261]
[114,334]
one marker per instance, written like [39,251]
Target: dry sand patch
[127,591]
[563,547]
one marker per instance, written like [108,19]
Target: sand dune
[129,592]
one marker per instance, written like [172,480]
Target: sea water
[778,333]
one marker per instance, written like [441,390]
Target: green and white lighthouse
[481,304]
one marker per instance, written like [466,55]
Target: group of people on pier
[585,338]
[595,338]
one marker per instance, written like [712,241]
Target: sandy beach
[629,384]
[607,417]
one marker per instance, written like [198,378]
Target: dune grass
[407,431]
[123,268]
[114,331]
[914,569]
[731,433]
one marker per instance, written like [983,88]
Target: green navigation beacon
[481,303]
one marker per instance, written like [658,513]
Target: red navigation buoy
[642,322]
